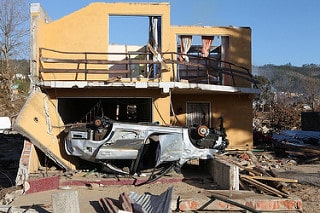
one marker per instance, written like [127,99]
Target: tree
[13,32]
[266,96]
[312,90]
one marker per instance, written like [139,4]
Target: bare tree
[312,90]
[13,32]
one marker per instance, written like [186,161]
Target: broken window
[147,29]
[207,54]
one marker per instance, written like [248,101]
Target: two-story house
[183,75]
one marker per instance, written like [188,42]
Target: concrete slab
[65,202]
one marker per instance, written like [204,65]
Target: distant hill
[288,78]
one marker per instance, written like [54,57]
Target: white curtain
[155,32]
[185,44]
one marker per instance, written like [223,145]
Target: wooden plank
[158,57]
[265,187]
[268,178]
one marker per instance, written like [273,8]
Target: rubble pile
[257,173]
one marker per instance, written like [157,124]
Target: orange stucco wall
[234,108]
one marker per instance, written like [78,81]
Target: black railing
[146,64]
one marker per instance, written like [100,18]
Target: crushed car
[130,148]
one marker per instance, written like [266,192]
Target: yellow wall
[39,121]
[236,110]
[86,30]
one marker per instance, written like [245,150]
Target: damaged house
[78,75]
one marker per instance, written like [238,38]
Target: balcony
[146,63]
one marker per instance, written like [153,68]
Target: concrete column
[65,202]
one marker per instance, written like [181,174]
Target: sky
[283,31]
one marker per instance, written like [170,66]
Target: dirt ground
[196,182]
[308,189]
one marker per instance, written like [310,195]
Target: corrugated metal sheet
[153,203]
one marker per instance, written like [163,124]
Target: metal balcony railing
[146,64]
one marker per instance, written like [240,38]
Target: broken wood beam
[158,57]
[268,178]
[264,187]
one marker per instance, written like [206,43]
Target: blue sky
[283,31]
